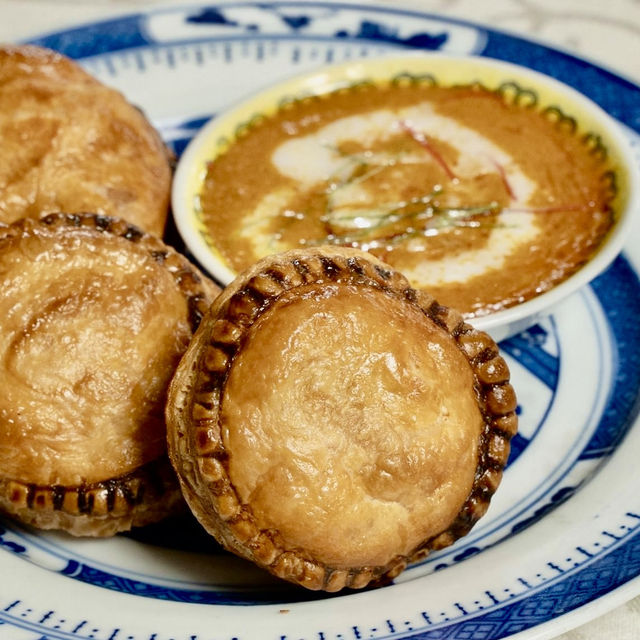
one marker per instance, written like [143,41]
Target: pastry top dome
[328,420]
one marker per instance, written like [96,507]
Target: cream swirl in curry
[478,198]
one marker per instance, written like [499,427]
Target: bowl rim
[191,166]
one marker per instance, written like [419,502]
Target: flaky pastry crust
[96,315]
[69,143]
[332,424]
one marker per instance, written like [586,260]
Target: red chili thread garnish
[423,141]
[505,181]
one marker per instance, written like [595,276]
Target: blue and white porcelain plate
[561,541]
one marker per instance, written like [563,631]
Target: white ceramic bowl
[215,136]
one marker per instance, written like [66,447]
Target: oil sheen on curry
[481,200]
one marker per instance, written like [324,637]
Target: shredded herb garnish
[392,223]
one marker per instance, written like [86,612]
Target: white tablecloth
[606,32]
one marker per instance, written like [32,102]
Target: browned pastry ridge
[69,143]
[95,317]
[332,424]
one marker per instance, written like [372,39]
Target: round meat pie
[69,143]
[332,424]
[95,317]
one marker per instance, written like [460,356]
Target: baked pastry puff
[95,317]
[69,143]
[332,424]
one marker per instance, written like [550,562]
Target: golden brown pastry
[69,143]
[95,317]
[332,424]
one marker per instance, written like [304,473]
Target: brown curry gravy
[439,214]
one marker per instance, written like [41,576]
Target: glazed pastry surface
[332,424]
[69,143]
[96,315]
[344,415]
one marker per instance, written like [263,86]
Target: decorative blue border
[571,591]
[595,82]
[586,582]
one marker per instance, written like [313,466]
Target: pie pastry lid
[332,424]
[70,143]
[96,315]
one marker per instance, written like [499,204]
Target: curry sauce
[481,200]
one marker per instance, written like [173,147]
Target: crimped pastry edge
[197,452]
[146,494]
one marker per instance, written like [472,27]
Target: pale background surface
[606,32]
